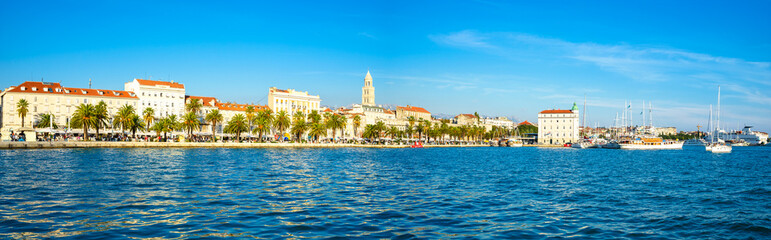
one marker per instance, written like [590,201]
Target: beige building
[558,126]
[417,112]
[166,98]
[292,101]
[498,121]
[665,131]
[465,119]
[53,98]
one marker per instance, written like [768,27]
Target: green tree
[356,125]
[122,118]
[281,123]
[136,124]
[237,125]
[214,117]
[314,117]
[336,122]
[46,120]
[170,124]
[84,118]
[250,117]
[190,121]
[317,130]
[393,132]
[101,116]
[194,106]
[147,115]
[299,126]
[264,121]
[22,108]
[411,120]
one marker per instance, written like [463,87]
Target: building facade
[417,112]
[292,101]
[53,98]
[165,98]
[465,119]
[368,91]
[558,126]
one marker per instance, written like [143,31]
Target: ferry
[647,143]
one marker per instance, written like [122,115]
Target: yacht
[585,143]
[612,144]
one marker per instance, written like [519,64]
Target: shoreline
[44,145]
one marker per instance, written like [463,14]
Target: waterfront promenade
[80,144]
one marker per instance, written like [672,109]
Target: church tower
[368,91]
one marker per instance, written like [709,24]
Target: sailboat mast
[584,120]
[650,114]
[718,108]
[711,132]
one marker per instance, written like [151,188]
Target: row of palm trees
[260,122]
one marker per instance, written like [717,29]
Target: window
[85,100]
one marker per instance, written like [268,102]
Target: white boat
[611,145]
[650,143]
[720,148]
[717,145]
[585,143]
[514,143]
[695,142]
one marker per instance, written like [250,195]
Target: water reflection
[383,193]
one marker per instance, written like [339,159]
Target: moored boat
[650,143]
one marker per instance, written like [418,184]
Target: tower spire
[368,91]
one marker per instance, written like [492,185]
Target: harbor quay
[82,144]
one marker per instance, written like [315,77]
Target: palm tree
[393,131]
[101,116]
[299,127]
[46,120]
[214,117]
[380,128]
[370,132]
[123,117]
[314,116]
[409,131]
[317,130]
[84,118]
[170,124]
[264,120]
[250,117]
[281,122]
[476,114]
[147,115]
[236,126]
[427,129]
[411,121]
[419,128]
[190,121]
[22,108]
[193,106]
[136,124]
[335,122]
[356,125]
[157,128]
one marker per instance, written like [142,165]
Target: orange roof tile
[156,83]
[525,123]
[556,111]
[413,109]
[206,101]
[466,115]
[239,107]
[56,88]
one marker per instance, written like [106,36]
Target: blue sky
[497,58]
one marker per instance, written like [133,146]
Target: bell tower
[368,91]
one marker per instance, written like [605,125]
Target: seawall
[74,144]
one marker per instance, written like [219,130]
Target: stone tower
[368,91]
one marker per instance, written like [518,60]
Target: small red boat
[417,145]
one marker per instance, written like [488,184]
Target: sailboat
[718,146]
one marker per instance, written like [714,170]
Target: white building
[292,101]
[558,126]
[53,98]
[499,121]
[166,98]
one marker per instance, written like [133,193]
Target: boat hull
[675,145]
